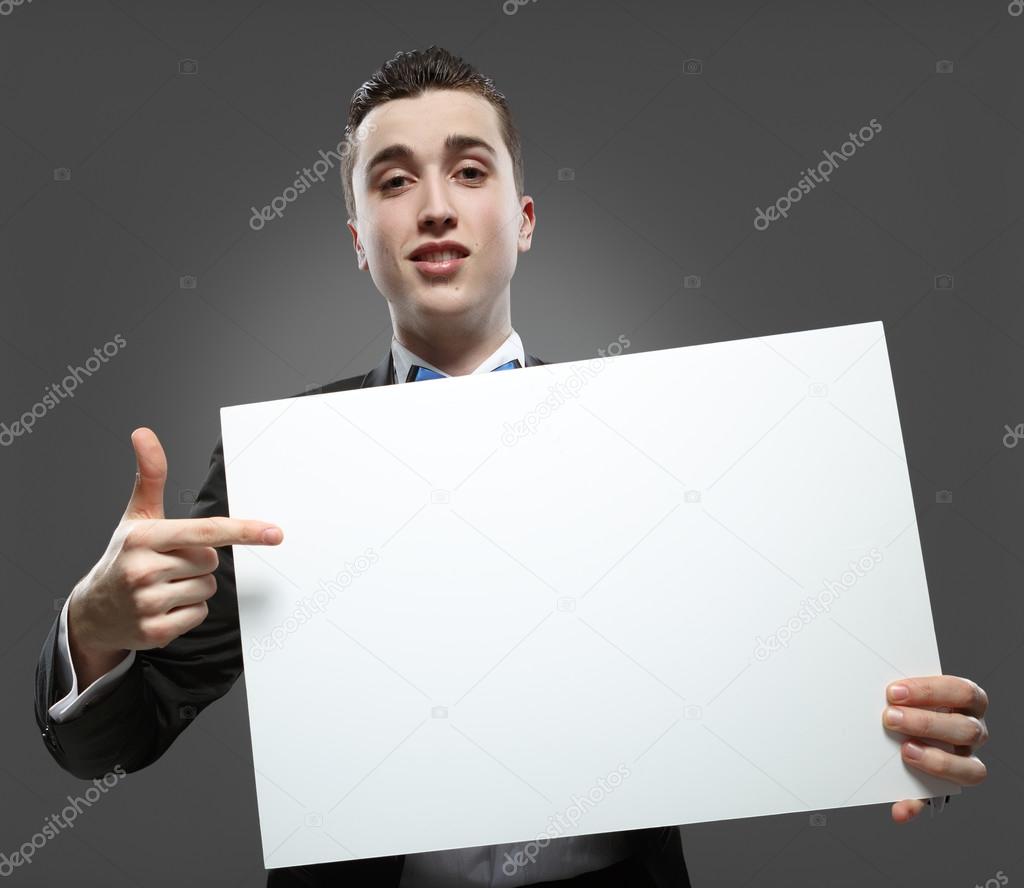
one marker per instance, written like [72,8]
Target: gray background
[668,168]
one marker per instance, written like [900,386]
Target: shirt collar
[511,348]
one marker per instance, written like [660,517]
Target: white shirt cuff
[73,703]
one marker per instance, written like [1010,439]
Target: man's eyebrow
[453,144]
[457,142]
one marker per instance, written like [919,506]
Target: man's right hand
[152,583]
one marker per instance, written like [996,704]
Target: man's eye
[386,186]
[480,174]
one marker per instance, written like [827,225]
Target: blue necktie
[418,373]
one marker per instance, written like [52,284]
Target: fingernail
[898,693]
[893,715]
[272,535]
[913,751]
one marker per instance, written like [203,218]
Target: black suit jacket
[166,688]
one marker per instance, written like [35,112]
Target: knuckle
[202,612]
[157,635]
[937,761]
[926,724]
[138,574]
[210,559]
[207,529]
[980,700]
[145,604]
[976,731]
[979,772]
[136,535]
[968,695]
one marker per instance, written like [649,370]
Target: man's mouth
[440,262]
[439,256]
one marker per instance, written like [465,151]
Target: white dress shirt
[479,867]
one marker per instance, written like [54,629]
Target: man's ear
[527,222]
[360,252]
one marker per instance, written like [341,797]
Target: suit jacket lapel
[381,374]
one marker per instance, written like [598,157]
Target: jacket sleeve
[165,688]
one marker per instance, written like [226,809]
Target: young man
[437,214]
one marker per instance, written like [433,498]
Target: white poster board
[672,583]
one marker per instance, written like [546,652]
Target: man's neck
[455,357]
[451,349]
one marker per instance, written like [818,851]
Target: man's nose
[437,207]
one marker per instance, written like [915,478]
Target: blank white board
[673,583]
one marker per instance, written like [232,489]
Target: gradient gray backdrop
[667,169]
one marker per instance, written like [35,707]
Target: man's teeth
[439,257]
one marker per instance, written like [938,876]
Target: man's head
[436,157]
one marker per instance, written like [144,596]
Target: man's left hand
[944,708]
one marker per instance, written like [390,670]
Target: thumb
[148,496]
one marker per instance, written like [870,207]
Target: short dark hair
[410,74]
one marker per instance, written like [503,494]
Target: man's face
[464,193]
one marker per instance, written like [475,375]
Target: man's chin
[442,297]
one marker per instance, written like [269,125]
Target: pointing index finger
[215,531]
